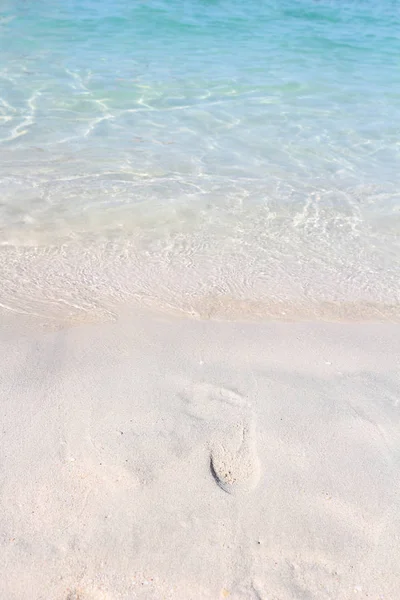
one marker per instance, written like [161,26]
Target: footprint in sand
[207,401]
[234,462]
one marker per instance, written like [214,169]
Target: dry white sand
[163,458]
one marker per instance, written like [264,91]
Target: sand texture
[161,458]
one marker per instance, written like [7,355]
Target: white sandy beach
[199,300]
[158,457]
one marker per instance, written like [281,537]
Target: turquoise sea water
[223,158]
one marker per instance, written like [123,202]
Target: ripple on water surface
[211,158]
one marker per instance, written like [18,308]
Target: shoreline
[16,321]
[160,457]
[200,274]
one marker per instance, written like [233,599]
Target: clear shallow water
[221,158]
